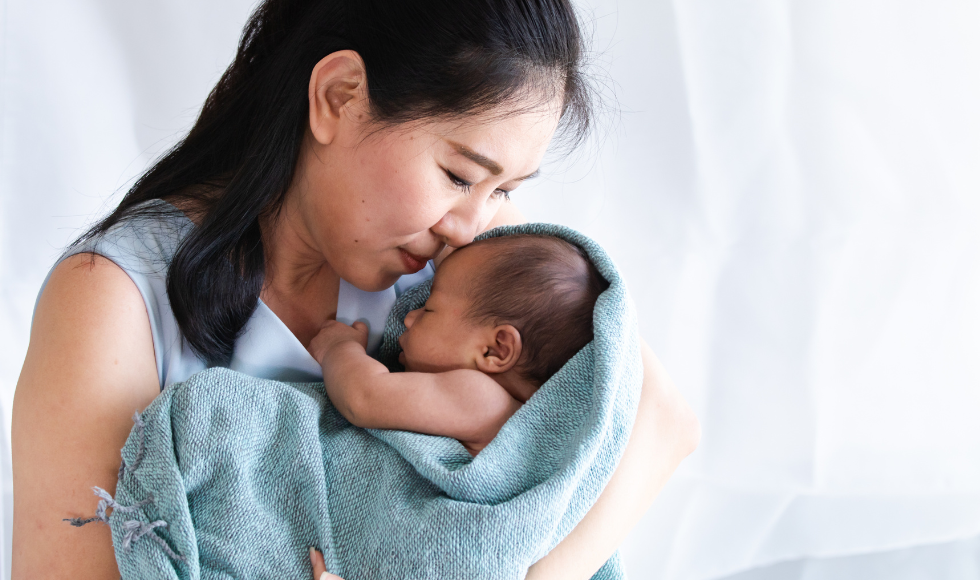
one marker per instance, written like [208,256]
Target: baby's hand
[335,334]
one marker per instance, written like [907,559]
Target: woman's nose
[459,226]
[411,316]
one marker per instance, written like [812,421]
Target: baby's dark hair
[547,289]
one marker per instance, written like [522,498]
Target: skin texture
[461,380]
[361,194]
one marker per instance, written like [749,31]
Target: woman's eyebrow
[484,161]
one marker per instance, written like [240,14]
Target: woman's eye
[502,193]
[460,183]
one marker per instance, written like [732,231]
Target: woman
[347,145]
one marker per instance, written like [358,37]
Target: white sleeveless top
[143,248]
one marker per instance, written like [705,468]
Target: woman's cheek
[410,214]
[423,196]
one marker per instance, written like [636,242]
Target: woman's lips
[412,262]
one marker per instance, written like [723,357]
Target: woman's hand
[320,568]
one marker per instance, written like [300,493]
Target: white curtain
[792,189]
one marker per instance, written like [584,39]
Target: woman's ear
[338,85]
[502,351]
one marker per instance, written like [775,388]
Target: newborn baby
[503,315]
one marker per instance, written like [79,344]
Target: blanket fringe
[134,530]
[140,427]
[105,503]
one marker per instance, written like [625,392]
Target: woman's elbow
[688,431]
[680,428]
[675,420]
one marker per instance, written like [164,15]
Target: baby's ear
[502,350]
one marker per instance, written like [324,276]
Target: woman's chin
[372,282]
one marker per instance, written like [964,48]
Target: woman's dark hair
[424,59]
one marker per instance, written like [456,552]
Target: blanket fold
[229,476]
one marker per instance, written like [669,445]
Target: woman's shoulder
[90,312]
[142,242]
[89,286]
[133,254]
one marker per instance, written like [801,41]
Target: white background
[791,188]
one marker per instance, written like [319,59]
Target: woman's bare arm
[89,366]
[665,432]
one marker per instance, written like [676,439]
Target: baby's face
[439,337]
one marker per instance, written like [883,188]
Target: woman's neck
[300,287]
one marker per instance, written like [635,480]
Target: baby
[503,315]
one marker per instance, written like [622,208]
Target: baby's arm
[463,404]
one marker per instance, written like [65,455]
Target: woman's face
[378,203]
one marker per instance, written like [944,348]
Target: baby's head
[515,307]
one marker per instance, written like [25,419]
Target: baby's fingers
[332,333]
[362,330]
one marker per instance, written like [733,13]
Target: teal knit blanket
[228,476]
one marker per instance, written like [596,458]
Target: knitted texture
[235,477]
